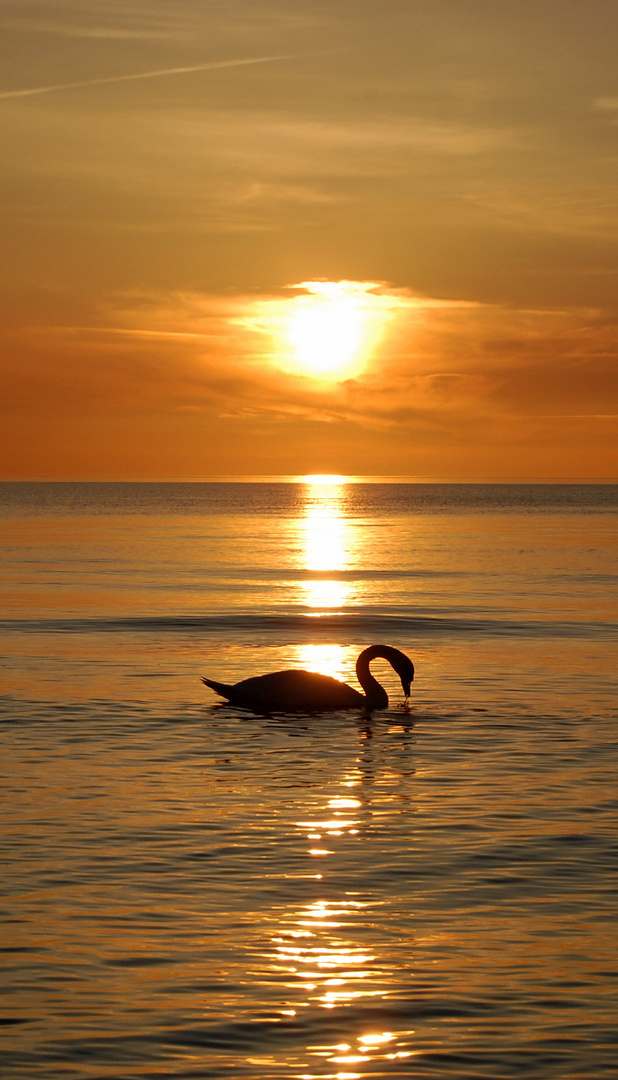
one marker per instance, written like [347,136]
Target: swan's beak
[406,681]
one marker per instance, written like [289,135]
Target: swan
[307,691]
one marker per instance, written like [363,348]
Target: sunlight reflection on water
[192,890]
[328,950]
[326,659]
[327,540]
[317,945]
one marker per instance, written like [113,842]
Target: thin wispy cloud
[105,33]
[34,90]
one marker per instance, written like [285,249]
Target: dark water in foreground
[188,890]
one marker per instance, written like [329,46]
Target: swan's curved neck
[376,695]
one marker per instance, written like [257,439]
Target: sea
[193,890]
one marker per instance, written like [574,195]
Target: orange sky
[181,183]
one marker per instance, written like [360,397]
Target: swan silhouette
[307,691]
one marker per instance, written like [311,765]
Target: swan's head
[405,670]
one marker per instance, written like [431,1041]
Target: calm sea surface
[190,890]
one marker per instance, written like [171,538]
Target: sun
[329,331]
[332,328]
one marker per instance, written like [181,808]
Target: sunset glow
[280,252]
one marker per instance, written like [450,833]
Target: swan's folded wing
[294,691]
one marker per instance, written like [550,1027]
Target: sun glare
[333,326]
[330,331]
[326,331]
[322,479]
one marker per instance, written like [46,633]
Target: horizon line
[314,478]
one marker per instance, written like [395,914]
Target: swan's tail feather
[219,688]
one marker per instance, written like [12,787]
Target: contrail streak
[142,75]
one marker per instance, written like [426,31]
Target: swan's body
[307,691]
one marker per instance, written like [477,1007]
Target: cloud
[212,66]
[451,364]
[81,31]
[451,381]
[607,104]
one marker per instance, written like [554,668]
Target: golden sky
[275,237]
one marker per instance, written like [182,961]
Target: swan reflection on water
[309,691]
